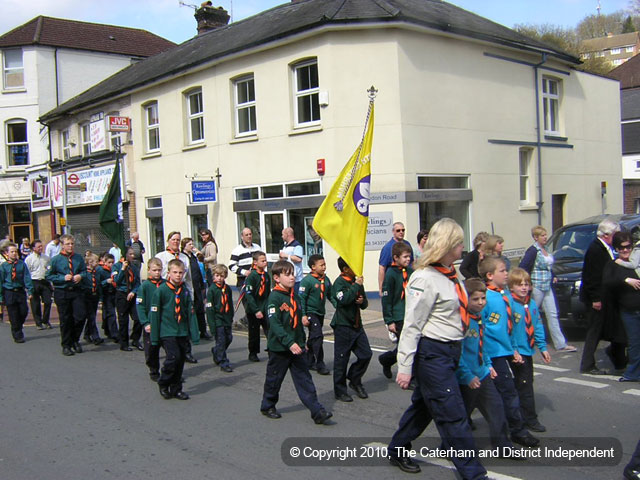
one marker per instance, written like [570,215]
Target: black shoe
[77,347]
[66,351]
[115,339]
[206,336]
[226,368]
[98,341]
[323,371]
[88,339]
[40,327]
[536,426]
[631,474]
[154,376]
[596,371]
[126,348]
[412,385]
[166,394]
[344,397]
[360,391]
[19,340]
[405,464]
[386,369]
[189,358]
[137,345]
[271,412]
[527,440]
[253,357]
[322,416]
[180,395]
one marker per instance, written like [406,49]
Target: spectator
[469,265]
[386,258]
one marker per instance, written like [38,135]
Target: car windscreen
[572,243]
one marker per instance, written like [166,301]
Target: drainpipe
[55,66]
[538,139]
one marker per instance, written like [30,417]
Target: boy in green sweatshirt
[220,316]
[143,305]
[257,287]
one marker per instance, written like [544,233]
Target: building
[473,121]
[46,62]
[617,49]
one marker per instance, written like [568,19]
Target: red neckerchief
[177,291]
[263,285]
[225,301]
[321,280]
[405,278]
[70,261]
[106,267]
[175,254]
[157,282]
[94,286]
[450,273]
[130,278]
[293,309]
[506,304]
[357,320]
[528,324]
[14,271]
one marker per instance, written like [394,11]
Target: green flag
[110,216]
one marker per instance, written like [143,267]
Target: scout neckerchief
[69,255]
[405,278]
[293,309]
[94,286]
[130,278]
[478,319]
[320,279]
[176,254]
[225,301]
[506,304]
[177,291]
[450,273]
[528,324]
[263,284]
[14,271]
[157,282]
[356,322]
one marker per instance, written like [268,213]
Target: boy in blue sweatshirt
[475,372]
[528,333]
[499,344]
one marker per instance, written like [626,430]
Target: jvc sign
[119,124]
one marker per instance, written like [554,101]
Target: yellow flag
[343,216]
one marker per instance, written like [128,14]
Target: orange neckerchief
[450,273]
[70,261]
[157,282]
[94,285]
[507,306]
[357,320]
[14,272]
[293,308]
[225,301]
[321,280]
[528,324]
[175,254]
[263,284]
[177,291]
[405,278]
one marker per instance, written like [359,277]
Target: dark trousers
[315,350]
[109,322]
[91,310]
[507,389]
[151,353]
[16,303]
[349,340]
[41,295]
[437,397]
[388,359]
[70,305]
[523,376]
[198,308]
[634,463]
[593,337]
[219,350]
[487,399]
[277,366]
[175,349]
[254,331]
[127,308]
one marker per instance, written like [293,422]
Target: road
[97,415]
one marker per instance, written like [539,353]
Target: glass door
[272,225]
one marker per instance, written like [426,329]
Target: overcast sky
[176,23]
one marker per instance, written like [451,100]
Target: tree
[595,26]
[628,26]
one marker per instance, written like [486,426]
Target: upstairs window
[152,127]
[12,69]
[307,93]
[195,117]
[17,145]
[85,134]
[525,176]
[65,143]
[551,104]
[245,106]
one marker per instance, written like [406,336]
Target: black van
[569,245]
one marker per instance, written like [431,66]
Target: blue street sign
[202,191]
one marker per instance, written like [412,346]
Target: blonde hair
[220,269]
[91,256]
[479,239]
[517,276]
[489,246]
[444,235]
[537,231]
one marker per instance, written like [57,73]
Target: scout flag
[110,216]
[343,216]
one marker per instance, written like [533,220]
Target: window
[65,142]
[307,92]
[12,68]
[629,49]
[85,135]
[280,190]
[551,104]
[615,51]
[195,117]
[245,105]
[525,179]
[599,54]
[17,145]
[152,125]
[304,188]
[155,202]
[617,62]
[250,193]
[445,182]
[197,223]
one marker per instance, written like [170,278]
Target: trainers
[568,349]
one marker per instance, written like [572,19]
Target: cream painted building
[252,107]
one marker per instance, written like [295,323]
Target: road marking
[373,348]
[584,383]
[535,374]
[633,391]
[602,377]
[446,464]
[550,368]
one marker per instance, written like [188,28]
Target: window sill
[245,139]
[302,130]
[557,138]
[151,155]
[194,146]
[14,90]
[528,208]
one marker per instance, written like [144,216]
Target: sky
[169,19]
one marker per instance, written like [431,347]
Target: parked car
[569,245]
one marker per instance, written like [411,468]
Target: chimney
[209,18]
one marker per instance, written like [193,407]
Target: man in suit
[598,255]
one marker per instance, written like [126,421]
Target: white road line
[535,374]
[633,391]
[550,368]
[373,348]
[584,383]
[446,464]
[602,377]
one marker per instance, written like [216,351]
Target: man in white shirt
[53,247]
[293,253]
[38,263]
